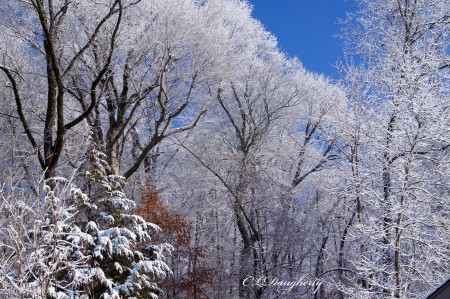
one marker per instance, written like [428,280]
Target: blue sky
[305,28]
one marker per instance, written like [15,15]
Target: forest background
[169,148]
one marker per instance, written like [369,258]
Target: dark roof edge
[437,289]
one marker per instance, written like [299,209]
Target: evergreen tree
[82,242]
[59,262]
[123,264]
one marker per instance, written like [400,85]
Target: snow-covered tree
[42,256]
[80,242]
[124,262]
[399,182]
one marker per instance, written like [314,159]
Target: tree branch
[22,116]
[111,12]
[101,74]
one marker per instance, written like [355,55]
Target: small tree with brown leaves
[188,261]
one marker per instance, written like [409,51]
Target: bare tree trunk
[318,287]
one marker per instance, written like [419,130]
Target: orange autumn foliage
[176,230]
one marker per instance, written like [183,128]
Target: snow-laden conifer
[80,242]
[123,263]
